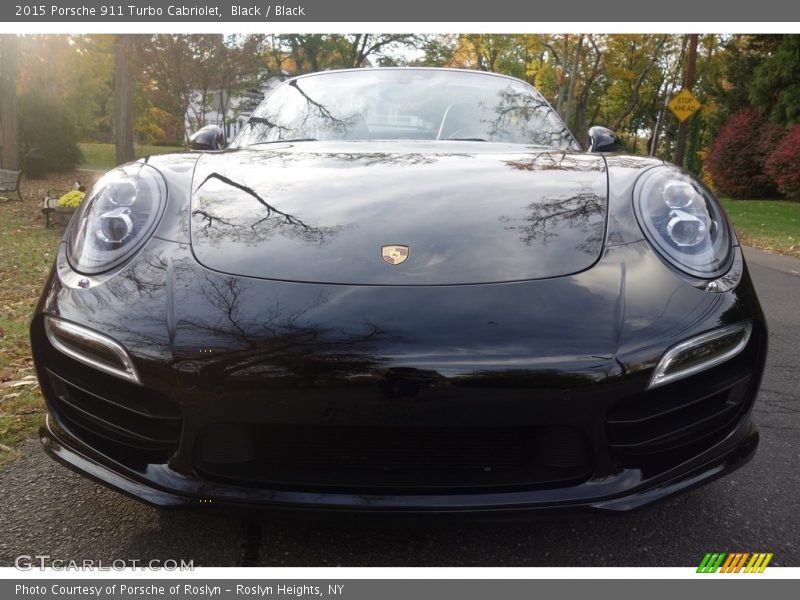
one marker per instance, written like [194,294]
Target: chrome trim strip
[55,327]
[660,376]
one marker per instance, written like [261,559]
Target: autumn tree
[88,89]
[355,50]
[308,53]
[44,64]
[622,81]
[438,50]
[171,63]
[199,73]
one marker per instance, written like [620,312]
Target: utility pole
[688,84]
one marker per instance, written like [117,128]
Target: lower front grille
[678,420]
[117,416]
[393,458]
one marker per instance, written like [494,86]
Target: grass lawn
[27,251]
[26,255]
[771,225]
[101,156]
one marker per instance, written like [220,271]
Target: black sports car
[400,290]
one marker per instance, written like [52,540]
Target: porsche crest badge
[394,255]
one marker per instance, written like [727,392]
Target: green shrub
[47,131]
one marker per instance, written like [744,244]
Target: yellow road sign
[683,105]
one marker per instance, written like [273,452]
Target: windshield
[406,104]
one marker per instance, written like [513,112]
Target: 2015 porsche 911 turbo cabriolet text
[400,290]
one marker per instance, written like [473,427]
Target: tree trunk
[9,136]
[562,81]
[580,114]
[123,101]
[573,82]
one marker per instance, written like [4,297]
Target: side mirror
[210,137]
[603,140]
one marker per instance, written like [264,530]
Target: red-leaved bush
[783,165]
[737,157]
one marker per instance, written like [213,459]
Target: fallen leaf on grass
[27,380]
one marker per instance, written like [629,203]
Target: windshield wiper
[475,139]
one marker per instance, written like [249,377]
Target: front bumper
[627,491]
[632,449]
[561,366]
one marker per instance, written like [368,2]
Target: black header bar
[366,11]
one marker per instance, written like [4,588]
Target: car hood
[467,212]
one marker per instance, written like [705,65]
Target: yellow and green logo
[734,562]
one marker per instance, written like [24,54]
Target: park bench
[49,206]
[9,182]
[50,202]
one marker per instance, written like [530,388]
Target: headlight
[117,217]
[684,222]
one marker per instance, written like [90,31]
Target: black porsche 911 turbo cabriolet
[400,290]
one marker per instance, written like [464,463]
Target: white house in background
[229,113]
